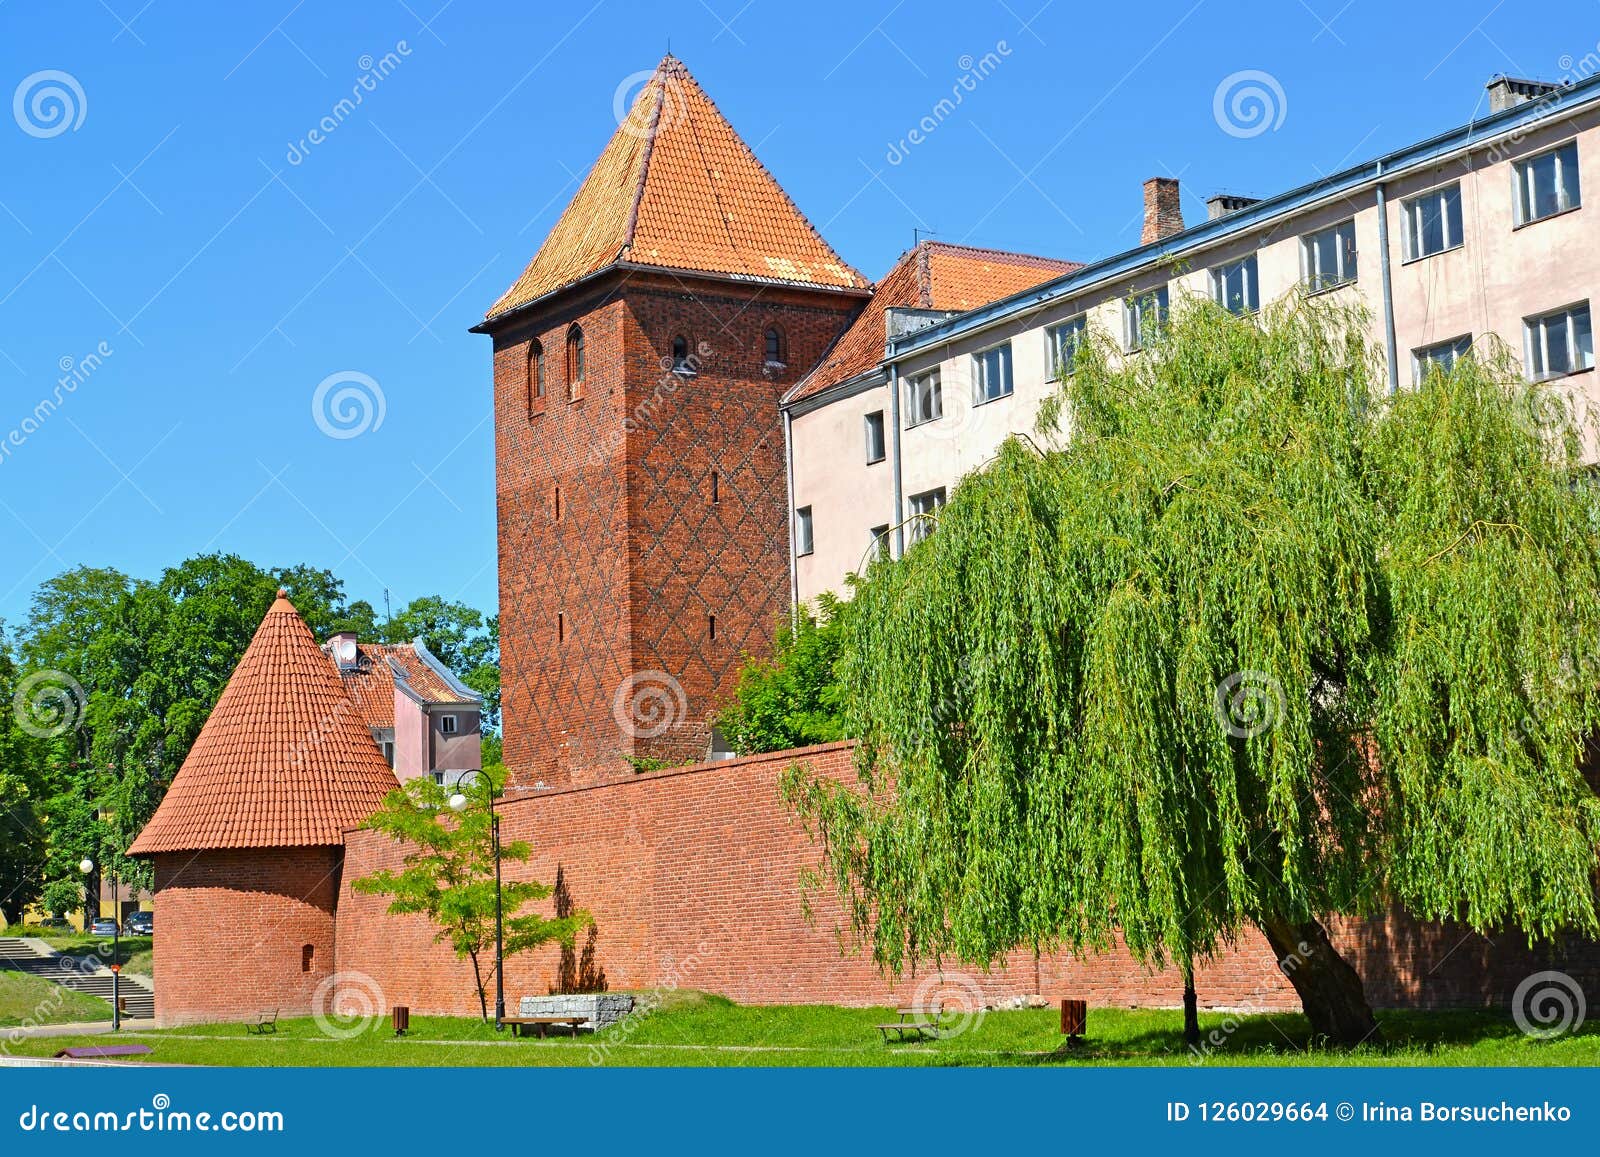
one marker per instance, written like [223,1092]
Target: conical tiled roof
[933,275]
[677,188]
[285,759]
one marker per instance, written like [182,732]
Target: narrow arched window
[574,362]
[681,361]
[535,376]
[775,353]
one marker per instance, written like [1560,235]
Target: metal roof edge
[1473,134]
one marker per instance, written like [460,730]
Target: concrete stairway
[37,959]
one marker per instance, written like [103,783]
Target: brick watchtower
[640,478]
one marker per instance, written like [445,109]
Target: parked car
[104,926]
[139,924]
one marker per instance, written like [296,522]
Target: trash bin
[401,1015]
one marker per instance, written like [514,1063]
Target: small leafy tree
[62,896]
[449,876]
[792,699]
[1253,643]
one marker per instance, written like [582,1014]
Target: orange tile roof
[370,683]
[934,275]
[678,188]
[284,760]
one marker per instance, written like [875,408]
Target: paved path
[83,1028]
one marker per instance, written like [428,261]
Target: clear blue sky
[170,223]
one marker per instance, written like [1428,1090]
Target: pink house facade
[424,720]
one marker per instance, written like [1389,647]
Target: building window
[575,360]
[682,363]
[774,351]
[716,489]
[804,543]
[1144,316]
[448,725]
[307,954]
[1444,356]
[555,503]
[924,507]
[880,541]
[535,377]
[991,374]
[924,399]
[1234,286]
[387,747]
[1432,222]
[1328,257]
[1559,343]
[1064,340]
[1547,184]
[875,440]
[561,627]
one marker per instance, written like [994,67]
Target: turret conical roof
[284,760]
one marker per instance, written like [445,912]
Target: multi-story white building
[1478,231]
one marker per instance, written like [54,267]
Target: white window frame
[1346,259]
[805,532]
[914,414]
[880,541]
[868,425]
[982,388]
[1058,338]
[1412,212]
[1522,200]
[1134,312]
[928,502]
[1424,356]
[1249,270]
[449,725]
[1536,334]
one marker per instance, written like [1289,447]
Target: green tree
[449,876]
[792,699]
[1257,644]
[61,897]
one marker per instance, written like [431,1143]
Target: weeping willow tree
[1237,640]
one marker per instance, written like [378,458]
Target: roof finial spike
[283,593]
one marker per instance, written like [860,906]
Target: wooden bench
[90,1053]
[539,1024]
[912,1025]
[263,1023]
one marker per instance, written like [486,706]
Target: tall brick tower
[640,478]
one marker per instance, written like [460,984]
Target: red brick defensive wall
[692,876]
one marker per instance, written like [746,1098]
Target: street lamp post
[458,801]
[86,866]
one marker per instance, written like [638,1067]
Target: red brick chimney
[1163,212]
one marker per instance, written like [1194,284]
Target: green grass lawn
[694,1029]
[28,999]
